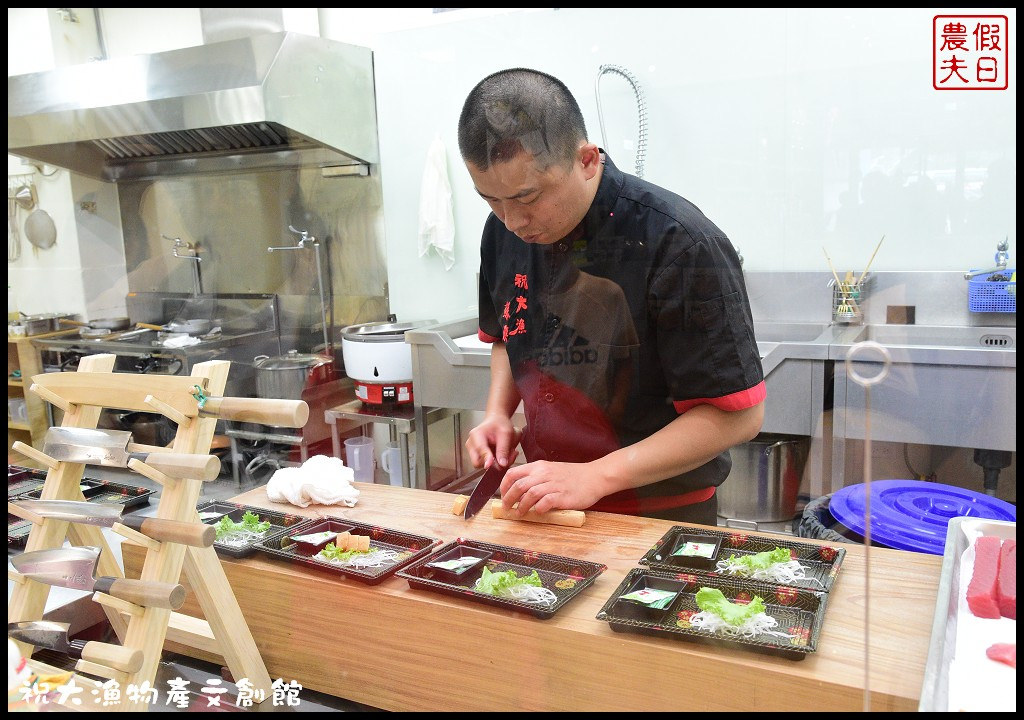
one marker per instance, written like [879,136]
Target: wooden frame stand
[145,629]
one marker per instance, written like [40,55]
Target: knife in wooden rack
[128,391]
[114,448]
[54,636]
[74,568]
[106,514]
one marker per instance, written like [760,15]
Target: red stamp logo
[970,52]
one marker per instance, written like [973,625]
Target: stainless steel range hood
[268,101]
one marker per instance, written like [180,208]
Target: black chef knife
[485,489]
[54,636]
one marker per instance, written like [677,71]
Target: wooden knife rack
[225,631]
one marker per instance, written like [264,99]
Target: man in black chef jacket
[616,312]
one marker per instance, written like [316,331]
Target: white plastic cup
[359,457]
[391,462]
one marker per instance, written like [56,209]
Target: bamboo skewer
[839,283]
[863,274]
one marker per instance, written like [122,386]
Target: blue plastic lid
[913,515]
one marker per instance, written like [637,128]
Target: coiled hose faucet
[641,107]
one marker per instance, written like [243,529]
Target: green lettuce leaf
[250,521]
[331,552]
[762,560]
[493,583]
[713,601]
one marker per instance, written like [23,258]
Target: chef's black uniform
[638,315]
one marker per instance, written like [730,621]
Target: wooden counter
[398,648]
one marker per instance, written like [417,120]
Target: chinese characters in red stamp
[970,52]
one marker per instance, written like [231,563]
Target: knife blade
[54,636]
[75,567]
[114,448]
[485,489]
[130,391]
[106,514]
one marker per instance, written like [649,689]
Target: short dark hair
[517,110]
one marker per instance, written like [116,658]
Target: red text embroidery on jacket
[513,323]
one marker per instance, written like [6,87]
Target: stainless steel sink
[777,341]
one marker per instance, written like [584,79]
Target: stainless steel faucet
[197,283]
[1002,258]
[308,241]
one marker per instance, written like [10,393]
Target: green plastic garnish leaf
[493,583]
[713,601]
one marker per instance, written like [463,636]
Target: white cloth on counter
[436,219]
[321,480]
[180,340]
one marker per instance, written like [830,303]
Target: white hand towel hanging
[437,222]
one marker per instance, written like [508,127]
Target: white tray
[974,682]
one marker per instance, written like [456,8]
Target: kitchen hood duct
[279,100]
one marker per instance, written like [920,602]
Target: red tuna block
[1003,652]
[981,592]
[1006,586]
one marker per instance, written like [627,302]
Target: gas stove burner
[384,394]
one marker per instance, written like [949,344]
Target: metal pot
[286,376]
[44,323]
[765,479]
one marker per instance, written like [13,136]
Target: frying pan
[119,323]
[190,327]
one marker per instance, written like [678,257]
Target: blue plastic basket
[984,295]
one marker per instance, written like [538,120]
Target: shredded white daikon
[531,594]
[757,626]
[784,573]
[374,559]
[241,537]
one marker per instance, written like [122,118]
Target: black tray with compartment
[408,548]
[21,480]
[17,531]
[566,577]
[279,523]
[104,491]
[798,613]
[821,563]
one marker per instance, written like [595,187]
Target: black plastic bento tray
[566,577]
[821,562]
[17,531]
[798,612]
[104,491]
[279,523]
[409,547]
[21,480]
